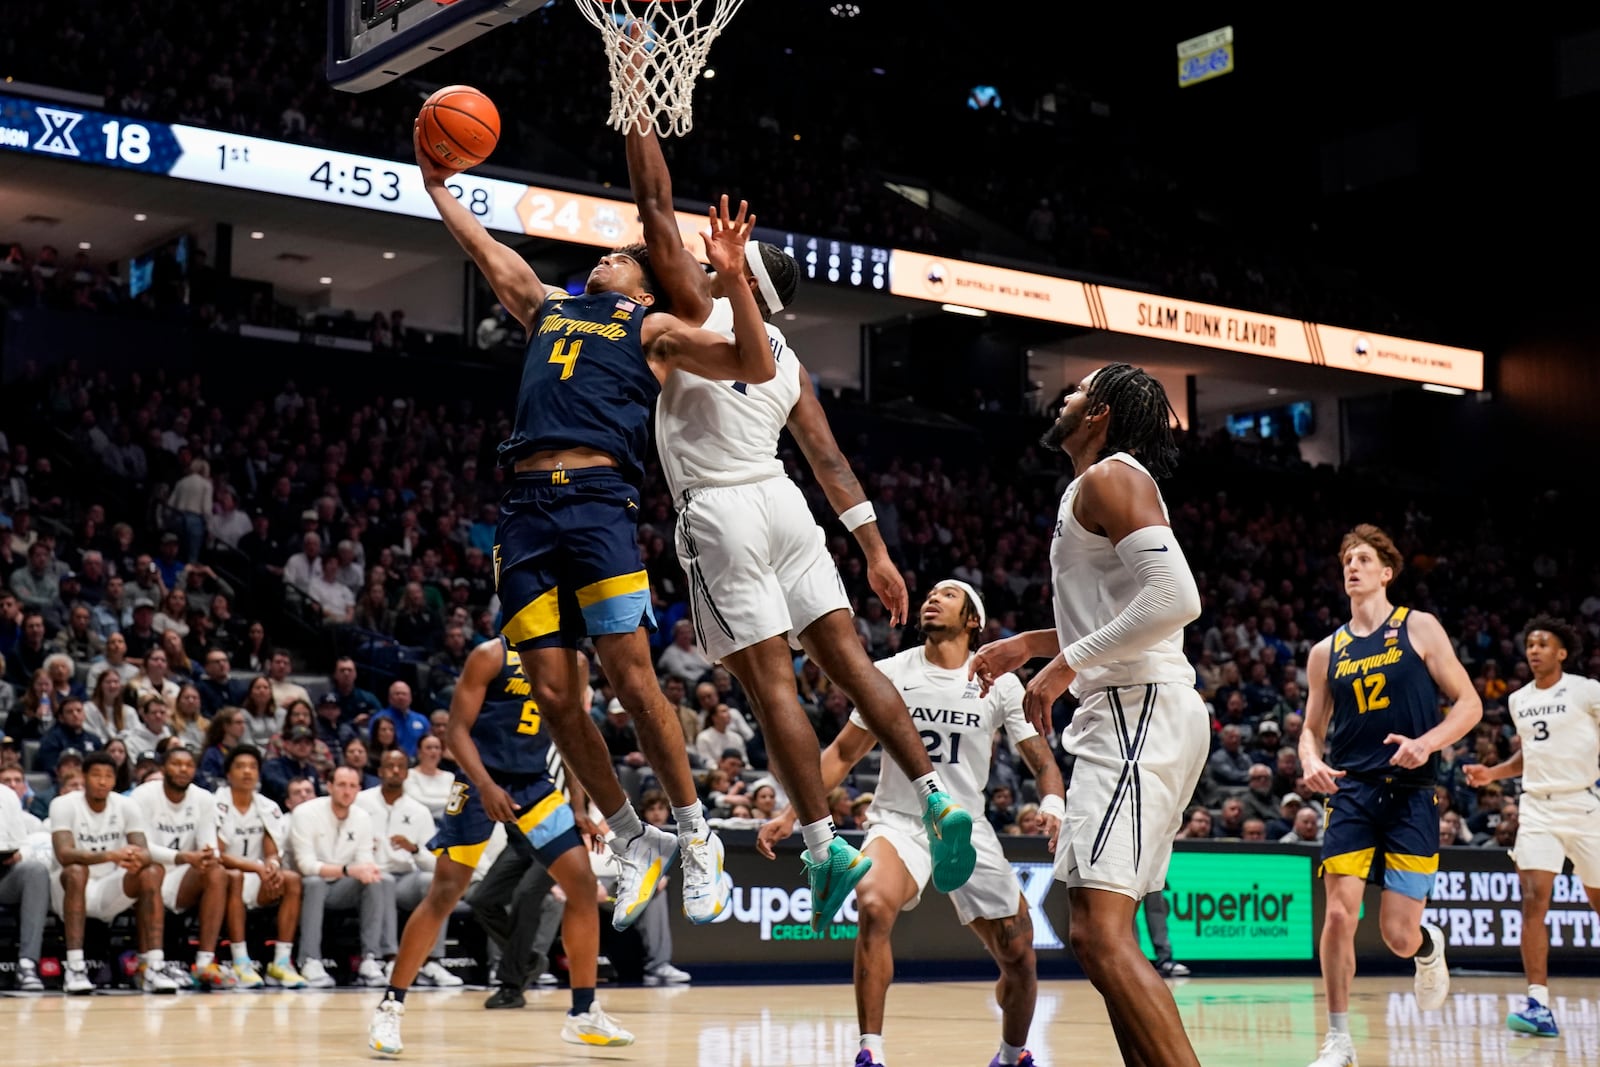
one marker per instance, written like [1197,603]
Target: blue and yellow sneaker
[833,879]
[1535,1019]
[1024,1060]
[950,840]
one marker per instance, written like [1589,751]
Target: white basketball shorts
[1556,827]
[992,892]
[103,898]
[757,563]
[170,883]
[1140,750]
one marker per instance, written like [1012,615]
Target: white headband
[972,595]
[758,267]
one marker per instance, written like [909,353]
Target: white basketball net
[656,88]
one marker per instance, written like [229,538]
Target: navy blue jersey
[1380,686]
[510,732]
[585,382]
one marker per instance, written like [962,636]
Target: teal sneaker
[833,879]
[950,840]
[1535,1019]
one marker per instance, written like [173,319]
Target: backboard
[372,42]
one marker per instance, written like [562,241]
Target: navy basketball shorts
[1398,823]
[544,818]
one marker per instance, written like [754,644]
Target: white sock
[624,822]
[241,953]
[283,953]
[74,957]
[1541,993]
[928,785]
[873,1043]
[1339,1022]
[201,959]
[155,958]
[1010,1053]
[818,836]
[690,820]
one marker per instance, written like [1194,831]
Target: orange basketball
[460,127]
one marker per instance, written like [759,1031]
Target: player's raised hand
[994,659]
[1411,753]
[886,581]
[775,829]
[726,239]
[432,173]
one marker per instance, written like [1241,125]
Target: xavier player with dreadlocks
[1123,594]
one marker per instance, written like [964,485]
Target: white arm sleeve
[1168,600]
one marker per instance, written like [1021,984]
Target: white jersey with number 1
[957,727]
[242,833]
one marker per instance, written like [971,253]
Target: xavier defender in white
[958,725]
[1558,721]
[760,575]
[1141,734]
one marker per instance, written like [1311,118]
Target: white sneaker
[433,973]
[1432,984]
[371,973]
[1337,1051]
[594,1027]
[641,863]
[706,891]
[77,980]
[665,974]
[28,977]
[383,1033]
[316,975]
[156,980]
[547,980]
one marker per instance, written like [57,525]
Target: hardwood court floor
[1234,1022]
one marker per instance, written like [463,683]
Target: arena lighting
[961,309]
[845,11]
[708,73]
[1447,390]
[140,217]
[388,255]
[256,235]
[324,280]
[84,246]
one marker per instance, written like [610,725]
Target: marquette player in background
[1374,696]
[1141,734]
[181,821]
[99,841]
[961,727]
[1558,720]
[251,832]
[567,560]
[760,574]
[496,733]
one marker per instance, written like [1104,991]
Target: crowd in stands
[1068,182]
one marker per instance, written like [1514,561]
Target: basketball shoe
[1337,1051]
[1432,983]
[383,1033]
[833,879]
[640,866]
[706,891]
[1535,1019]
[594,1028]
[1024,1060]
[950,840]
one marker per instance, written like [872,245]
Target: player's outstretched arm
[672,344]
[1466,707]
[483,666]
[680,274]
[838,759]
[514,282]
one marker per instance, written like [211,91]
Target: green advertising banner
[1238,906]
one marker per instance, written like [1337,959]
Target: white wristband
[1051,804]
[859,515]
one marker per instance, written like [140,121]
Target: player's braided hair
[1141,416]
[784,270]
[1560,630]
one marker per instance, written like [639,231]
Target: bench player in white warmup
[959,728]
[1558,720]
[252,832]
[180,819]
[1141,734]
[759,571]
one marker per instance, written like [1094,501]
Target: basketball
[460,127]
